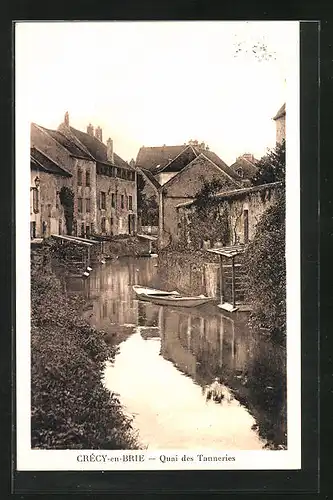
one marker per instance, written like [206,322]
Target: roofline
[39,165]
[236,192]
[173,159]
[51,159]
[252,189]
[157,189]
[83,147]
[281,112]
[221,169]
[188,165]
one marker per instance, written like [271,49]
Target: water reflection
[168,355]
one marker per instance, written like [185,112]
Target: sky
[156,83]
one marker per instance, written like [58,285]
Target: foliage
[150,212]
[70,407]
[147,206]
[66,196]
[209,219]
[272,166]
[266,269]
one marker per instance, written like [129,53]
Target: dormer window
[240,172]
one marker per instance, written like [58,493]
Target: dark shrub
[70,407]
[266,268]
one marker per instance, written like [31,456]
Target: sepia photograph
[158,252]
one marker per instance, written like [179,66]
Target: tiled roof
[150,177]
[40,160]
[71,144]
[180,161]
[281,112]
[44,142]
[248,168]
[98,149]
[223,166]
[157,156]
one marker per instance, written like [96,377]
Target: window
[115,172]
[111,222]
[240,172]
[87,230]
[82,229]
[103,200]
[79,205]
[35,200]
[79,177]
[88,178]
[103,224]
[130,203]
[57,200]
[49,210]
[122,201]
[88,205]
[113,200]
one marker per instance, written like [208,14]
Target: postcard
[158,246]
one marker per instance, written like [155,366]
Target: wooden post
[88,256]
[233,281]
[221,280]
[149,247]
[233,343]
[221,341]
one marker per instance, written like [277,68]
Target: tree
[272,166]
[265,265]
[210,218]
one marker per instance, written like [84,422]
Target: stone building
[280,122]
[47,177]
[103,184]
[180,179]
[245,166]
[245,208]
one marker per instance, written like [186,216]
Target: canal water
[167,357]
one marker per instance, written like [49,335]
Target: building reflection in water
[201,342]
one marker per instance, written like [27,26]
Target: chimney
[249,157]
[90,129]
[66,120]
[109,150]
[98,133]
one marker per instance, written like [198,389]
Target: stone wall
[86,221]
[255,204]
[251,205]
[50,210]
[183,188]
[116,218]
[280,129]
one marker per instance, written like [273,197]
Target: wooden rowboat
[143,291]
[176,300]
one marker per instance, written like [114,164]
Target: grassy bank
[71,408]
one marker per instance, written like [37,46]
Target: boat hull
[142,291]
[176,301]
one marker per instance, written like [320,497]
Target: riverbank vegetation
[265,264]
[70,407]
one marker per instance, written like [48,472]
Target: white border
[32,460]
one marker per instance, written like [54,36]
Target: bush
[266,269]
[71,408]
